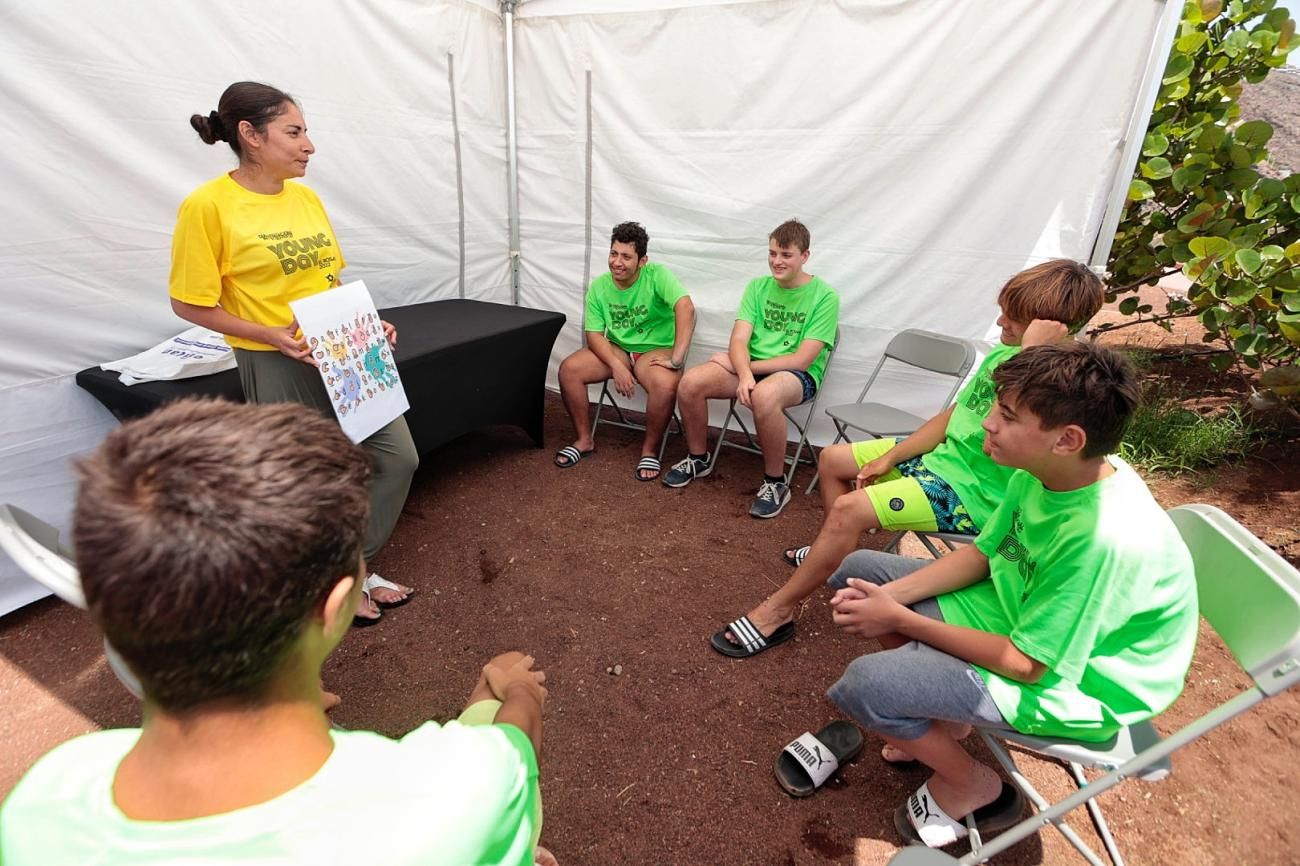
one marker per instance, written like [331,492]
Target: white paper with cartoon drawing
[342,330]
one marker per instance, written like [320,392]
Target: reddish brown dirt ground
[670,763]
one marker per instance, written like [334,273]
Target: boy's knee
[864,565]
[851,511]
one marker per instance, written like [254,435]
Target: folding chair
[950,541]
[1251,597]
[751,443]
[607,399]
[937,353]
[34,545]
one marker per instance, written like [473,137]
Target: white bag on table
[196,352]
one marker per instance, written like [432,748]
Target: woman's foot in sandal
[385,593]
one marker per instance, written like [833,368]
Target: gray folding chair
[621,419]
[34,545]
[932,541]
[1251,597]
[751,442]
[937,353]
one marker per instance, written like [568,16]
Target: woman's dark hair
[259,104]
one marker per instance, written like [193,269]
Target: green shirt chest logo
[1012,550]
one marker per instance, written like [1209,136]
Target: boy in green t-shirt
[219,547]
[1073,614]
[938,478]
[784,332]
[638,322]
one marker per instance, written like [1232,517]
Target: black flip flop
[648,464]
[796,560]
[751,639]
[572,455]
[810,759]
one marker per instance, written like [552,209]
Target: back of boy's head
[631,233]
[792,233]
[1075,383]
[1061,290]
[207,533]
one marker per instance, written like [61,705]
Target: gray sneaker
[687,470]
[771,498]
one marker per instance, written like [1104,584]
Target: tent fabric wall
[933,147]
[99,153]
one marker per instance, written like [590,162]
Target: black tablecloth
[464,364]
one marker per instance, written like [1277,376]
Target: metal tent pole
[512,148]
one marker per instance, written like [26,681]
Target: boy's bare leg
[851,515]
[660,385]
[577,371]
[960,783]
[770,397]
[700,384]
[838,469]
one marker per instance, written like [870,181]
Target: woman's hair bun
[211,128]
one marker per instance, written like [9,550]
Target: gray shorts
[899,692]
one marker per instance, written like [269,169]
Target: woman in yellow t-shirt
[246,245]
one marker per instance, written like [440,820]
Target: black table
[464,364]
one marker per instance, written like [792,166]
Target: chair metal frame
[34,545]
[913,347]
[1251,597]
[607,398]
[751,443]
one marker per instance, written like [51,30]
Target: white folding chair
[34,545]
[936,353]
[751,442]
[621,419]
[1251,597]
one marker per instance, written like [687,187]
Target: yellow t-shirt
[251,254]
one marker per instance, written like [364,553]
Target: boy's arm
[512,680]
[738,354]
[800,359]
[683,328]
[603,349]
[925,439]
[869,610]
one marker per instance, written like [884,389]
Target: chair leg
[722,434]
[1040,804]
[1098,819]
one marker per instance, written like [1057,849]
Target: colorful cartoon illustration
[378,364]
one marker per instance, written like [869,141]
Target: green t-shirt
[1097,585]
[640,317]
[441,796]
[784,318]
[960,459]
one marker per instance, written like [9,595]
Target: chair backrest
[1247,592]
[34,545]
[937,353]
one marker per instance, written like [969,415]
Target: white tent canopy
[933,147]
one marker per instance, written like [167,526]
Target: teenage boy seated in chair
[784,332]
[938,478]
[219,548]
[1073,614]
[638,322]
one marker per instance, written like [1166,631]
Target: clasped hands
[864,609]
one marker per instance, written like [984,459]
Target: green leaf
[1240,155]
[1210,248]
[1139,190]
[1128,306]
[1180,66]
[1270,189]
[1154,144]
[1156,168]
[1242,178]
[1240,293]
[1235,43]
[1248,260]
[1295,202]
[1293,251]
[1250,344]
[1272,253]
[1254,133]
[1192,42]
[1200,215]
[1210,138]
